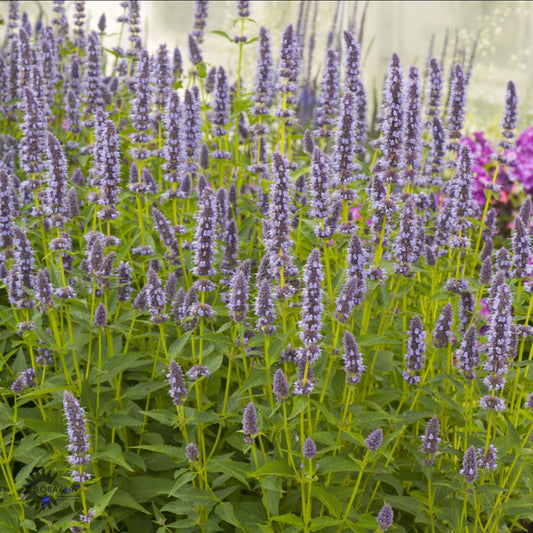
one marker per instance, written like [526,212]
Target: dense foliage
[239,304]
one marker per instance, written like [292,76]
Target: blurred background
[503,31]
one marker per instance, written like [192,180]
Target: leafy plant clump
[231,302]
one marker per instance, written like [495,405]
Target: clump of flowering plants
[225,307]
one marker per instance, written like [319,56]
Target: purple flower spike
[385,517]
[416,347]
[456,107]
[77,430]
[413,127]
[191,452]
[280,387]
[353,362]
[309,449]
[468,353]
[469,470]
[178,389]
[249,423]
[510,116]
[264,88]
[442,333]
[311,321]
[328,101]
[431,439]
[319,184]
[374,440]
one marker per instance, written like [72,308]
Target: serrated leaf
[333,505]
[290,519]
[100,505]
[275,468]
[125,499]
[112,453]
[225,511]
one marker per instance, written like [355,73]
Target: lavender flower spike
[442,333]
[385,517]
[353,362]
[176,379]
[469,470]
[456,107]
[416,347]
[309,448]
[77,432]
[374,440]
[431,439]
[249,423]
[280,388]
[510,116]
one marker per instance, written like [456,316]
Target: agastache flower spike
[413,127]
[108,171]
[489,460]
[56,204]
[319,184]
[461,185]
[352,62]
[393,124]
[143,95]
[280,388]
[92,82]
[431,439]
[177,63]
[385,517]
[173,148]
[264,305]
[162,77]
[178,389]
[434,89]
[21,275]
[456,107]
[192,453]
[416,347]
[195,55]
[278,234]
[510,116]
[155,297]
[442,334]
[243,8]
[33,135]
[346,146]
[43,289]
[403,248]
[437,151]
[521,249]
[499,336]
[77,432]
[353,362]
[311,321]
[374,440]
[125,289]
[191,129]
[238,298]
[309,448]
[328,101]
[100,316]
[264,88]
[249,423]
[469,470]
[200,17]
[7,209]
[221,103]
[468,353]
[352,294]
[205,235]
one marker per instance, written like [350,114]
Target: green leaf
[147,487]
[102,502]
[141,390]
[290,519]
[202,70]
[321,522]
[125,499]
[185,478]
[225,511]
[329,501]
[223,34]
[112,453]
